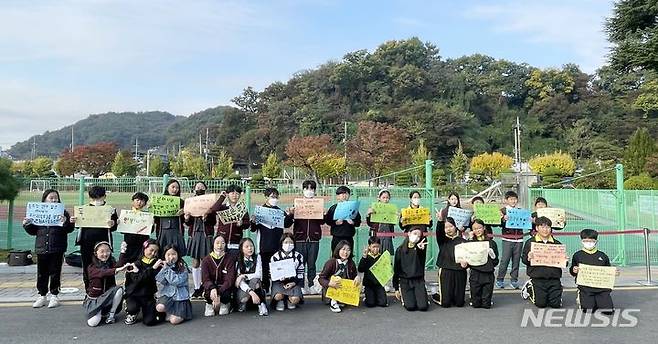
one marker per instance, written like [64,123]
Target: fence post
[10,223]
[81,191]
[621,214]
[429,191]
[165,180]
[647,259]
[247,201]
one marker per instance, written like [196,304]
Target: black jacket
[491,262]
[409,263]
[345,229]
[142,283]
[51,239]
[597,258]
[540,272]
[270,237]
[369,280]
[446,258]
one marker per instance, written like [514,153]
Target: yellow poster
[348,293]
[556,215]
[596,276]
[415,216]
[87,216]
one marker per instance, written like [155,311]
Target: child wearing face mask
[452,274]
[249,270]
[308,233]
[342,229]
[289,289]
[270,237]
[131,246]
[232,232]
[218,275]
[414,203]
[89,237]
[373,290]
[199,245]
[589,298]
[384,196]
[174,298]
[141,286]
[409,271]
[340,266]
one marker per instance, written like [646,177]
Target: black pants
[265,263]
[375,296]
[224,297]
[336,239]
[146,305]
[308,249]
[511,251]
[87,242]
[49,268]
[414,294]
[592,299]
[452,287]
[546,292]
[482,284]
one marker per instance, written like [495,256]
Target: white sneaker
[224,308]
[54,301]
[306,291]
[388,288]
[317,289]
[334,307]
[280,306]
[210,311]
[291,305]
[262,309]
[40,302]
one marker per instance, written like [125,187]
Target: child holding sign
[270,237]
[89,237]
[131,246]
[409,272]
[481,279]
[455,202]
[49,246]
[541,203]
[169,229]
[512,245]
[233,231]
[288,288]
[543,288]
[414,203]
[375,292]
[199,245]
[590,298]
[452,274]
[376,227]
[339,266]
[342,229]
[487,228]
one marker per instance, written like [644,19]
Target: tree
[490,165]
[189,164]
[641,182]
[224,167]
[647,101]
[65,166]
[157,166]
[419,155]
[9,186]
[378,147]
[42,167]
[640,146]
[651,167]
[248,100]
[459,164]
[272,166]
[560,164]
[94,159]
[309,153]
[633,31]
[330,166]
[124,165]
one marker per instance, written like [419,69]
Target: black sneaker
[198,294]
[436,298]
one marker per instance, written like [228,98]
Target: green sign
[382,269]
[384,213]
[163,205]
[489,213]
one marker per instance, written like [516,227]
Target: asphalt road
[314,323]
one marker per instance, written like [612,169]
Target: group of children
[229,274]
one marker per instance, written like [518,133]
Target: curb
[32,269]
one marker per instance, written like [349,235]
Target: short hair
[284,237]
[271,192]
[412,193]
[343,189]
[477,198]
[374,240]
[140,196]
[96,192]
[541,200]
[543,220]
[48,192]
[233,188]
[309,184]
[510,194]
[589,233]
[452,222]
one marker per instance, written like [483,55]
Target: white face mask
[287,247]
[99,203]
[413,238]
[415,201]
[309,193]
[588,245]
[273,201]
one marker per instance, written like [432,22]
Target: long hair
[341,244]
[180,263]
[110,261]
[459,202]
[48,192]
[166,189]
[241,266]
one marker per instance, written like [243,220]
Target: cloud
[573,25]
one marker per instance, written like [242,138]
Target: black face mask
[199,192]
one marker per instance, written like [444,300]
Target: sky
[62,60]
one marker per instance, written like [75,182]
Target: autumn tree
[95,159]
[459,164]
[378,147]
[272,166]
[311,153]
[490,165]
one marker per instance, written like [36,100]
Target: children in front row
[481,279]
[452,274]
[589,298]
[175,293]
[141,286]
[104,296]
[289,289]
[409,271]
[249,270]
[218,276]
[373,290]
[340,266]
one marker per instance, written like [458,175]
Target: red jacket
[100,279]
[218,276]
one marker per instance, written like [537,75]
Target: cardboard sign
[384,213]
[309,208]
[199,205]
[283,269]
[382,269]
[346,210]
[556,215]
[596,276]
[347,293]
[518,218]
[461,216]
[268,217]
[488,213]
[164,206]
[233,214]
[548,255]
[88,216]
[45,214]
[415,216]
[135,222]
[475,253]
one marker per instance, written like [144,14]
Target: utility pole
[206,150]
[345,154]
[148,161]
[34,147]
[200,149]
[517,145]
[72,139]
[136,147]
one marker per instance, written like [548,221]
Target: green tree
[42,167]
[459,164]
[188,164]
[633,31]
[157,166]
[272,167]
[9,186]
[640,147]
[124,165]
[224,167]
[641,182]
[418,157]
[647,101]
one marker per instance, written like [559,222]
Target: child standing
[141,286]
[409,272]
[512,245]
[339,266]
[374,291]
[288,289]
[544,288]
[232,232]
[169,229]
[455,202]
[414,203]
[589,298]
[249,269]
[174,298]
[131,246]
[50,244]
[384,196]
[342,229]
[104,297]
[487,228]
[218,275]
[201,230]
[481,279]
[452,274]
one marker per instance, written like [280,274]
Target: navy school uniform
[591,298]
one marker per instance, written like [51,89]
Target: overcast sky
[62,60]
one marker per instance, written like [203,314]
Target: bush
[257,181]
[561,164]
[490,165]
[641,182]
[403,179]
